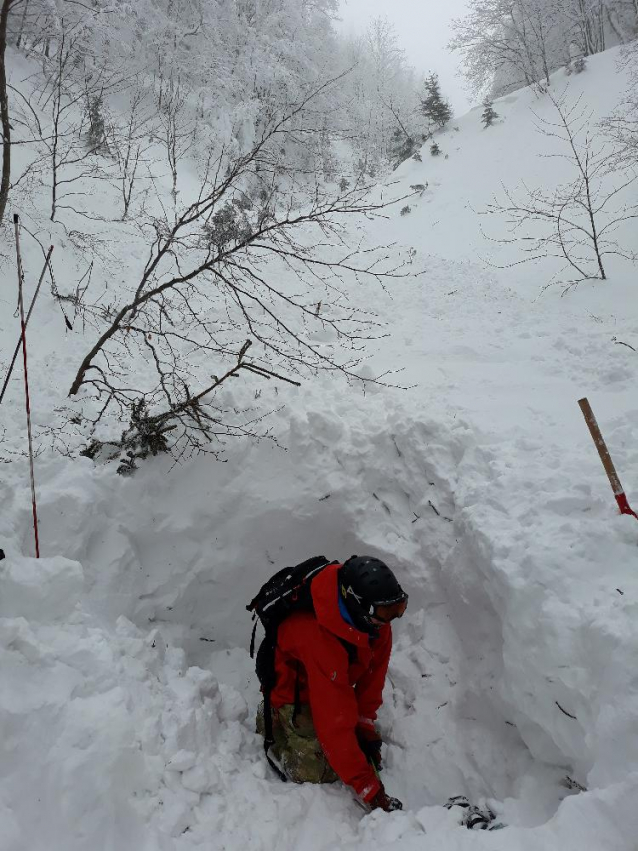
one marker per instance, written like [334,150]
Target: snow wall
[159,568]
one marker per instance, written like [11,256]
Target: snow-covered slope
[127,700]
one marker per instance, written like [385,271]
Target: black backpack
[286,592]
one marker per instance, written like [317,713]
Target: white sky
[423,29]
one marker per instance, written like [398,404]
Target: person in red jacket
[330,669]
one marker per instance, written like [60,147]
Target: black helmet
[365,583]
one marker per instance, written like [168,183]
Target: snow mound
[36,588]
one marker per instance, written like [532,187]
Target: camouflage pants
[296,745]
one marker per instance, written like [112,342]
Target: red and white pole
[23,325]
[19,343]
[605,457]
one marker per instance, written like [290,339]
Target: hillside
[127,709]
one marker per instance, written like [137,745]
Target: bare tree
[238,260]
[130,146]
[578,218]
[25,9]
[248,258]
[176,129]
[70,146]
[4,109]
[195,422]
[589,20]
[506,44]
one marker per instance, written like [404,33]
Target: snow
[128,696]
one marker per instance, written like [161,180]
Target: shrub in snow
[405,210]
[227,225]
[416,156]
[576,66]
[577,62]
[344,185]
[146,435]
[419,187]
[403,147]
[489,114]
[367,167]
[435,150]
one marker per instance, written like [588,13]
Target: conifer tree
[489,114]
[433,104]
[435,150]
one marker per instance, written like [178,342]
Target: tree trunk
[4,111]
[22,22]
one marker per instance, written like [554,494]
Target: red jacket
[343,695]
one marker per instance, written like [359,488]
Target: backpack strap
[297,705]
[269,739]
[268,682]
[252,639]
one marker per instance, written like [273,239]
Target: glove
[384,802]
[372,750]
[370,743]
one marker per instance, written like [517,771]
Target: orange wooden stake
[605,457]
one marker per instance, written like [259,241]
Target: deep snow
[126,710]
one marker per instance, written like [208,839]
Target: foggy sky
[423,29]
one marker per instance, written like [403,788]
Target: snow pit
[136,715]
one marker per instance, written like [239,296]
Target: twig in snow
[438,513]
[564,711]
[570,783]
[386,507]
[620,343]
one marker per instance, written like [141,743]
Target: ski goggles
[384,613]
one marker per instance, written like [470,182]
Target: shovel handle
[601,446]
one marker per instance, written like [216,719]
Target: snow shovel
[605,457]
